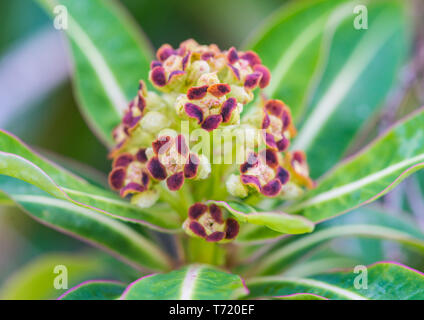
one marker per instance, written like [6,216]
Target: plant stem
[201,251]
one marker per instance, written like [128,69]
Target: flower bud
[208,222]
[130,177]
[264,173]
[277,124]
[172,161]
[296,164]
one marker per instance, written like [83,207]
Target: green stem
[201,251]
[174,202]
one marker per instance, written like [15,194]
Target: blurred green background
[37,102]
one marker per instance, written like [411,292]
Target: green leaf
[18,161]
[367,223]
[301,296]
[386,281]
[95,290]
[351,88]
[277,221]
[195,282]
[315,266]
[35,281]
[373,172]
[251,234]
[111,235]
[289,45]
[110,56]
[5,200]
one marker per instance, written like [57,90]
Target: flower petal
[283,144]
[252,80]
[176,181]
[216,213]
[270,141]
[190,168]
[141,155]
[156,169]
[219,89]
[130,188]
[181,144]
[231,229]
[212,122]
[251,181]
[116,178]
[227,109]
[161,145]
[158,76]
[272,188]
[164,52]
[174,75]
[197,229]
[274,107]
[282,175]
[215,236]
[266,122]
[266,75]
[270,157]
[252,161]
[194,111]
[234,71]
[155,64]
[186,60]
[123,160]
[252,57]
[232,55]
[197,210]
[197,93]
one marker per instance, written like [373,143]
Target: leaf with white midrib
[385,281]
[369,174]
[194,282]
[95,228]
[102,80]
[298,49]
[356,63]
[365,223]
[18,161]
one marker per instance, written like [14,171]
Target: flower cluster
[206,88]
[272,171]
[211,85]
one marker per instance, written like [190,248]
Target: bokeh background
[37,104]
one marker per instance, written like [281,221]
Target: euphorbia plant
[207,151]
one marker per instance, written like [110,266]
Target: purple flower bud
[208,222]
